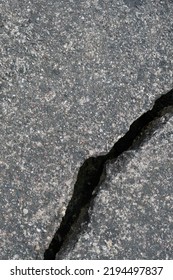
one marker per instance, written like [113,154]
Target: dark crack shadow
[91,173]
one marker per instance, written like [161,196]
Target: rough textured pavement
[74,76]
[132,215]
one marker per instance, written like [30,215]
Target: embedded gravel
[74,75]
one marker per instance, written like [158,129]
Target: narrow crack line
[90,172]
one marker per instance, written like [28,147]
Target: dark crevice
[91,171]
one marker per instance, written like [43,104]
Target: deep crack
[91,171]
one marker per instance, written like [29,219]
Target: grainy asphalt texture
[132,215]
[74,76]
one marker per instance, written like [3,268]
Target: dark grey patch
[55,70]
[2,84]
[141,74]
[1,22]
[44,87]
[133,3]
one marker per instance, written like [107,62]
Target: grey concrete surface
[74,76]
[132,215]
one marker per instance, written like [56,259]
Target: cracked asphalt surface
[74,76]
[132,215]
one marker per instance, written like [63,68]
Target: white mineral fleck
[25,211]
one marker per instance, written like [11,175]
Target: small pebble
[25,211]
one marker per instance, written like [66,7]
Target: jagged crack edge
[91,171]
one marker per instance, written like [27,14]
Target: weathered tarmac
[74,76]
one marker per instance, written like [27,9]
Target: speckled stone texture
[73,76]
[132,216]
